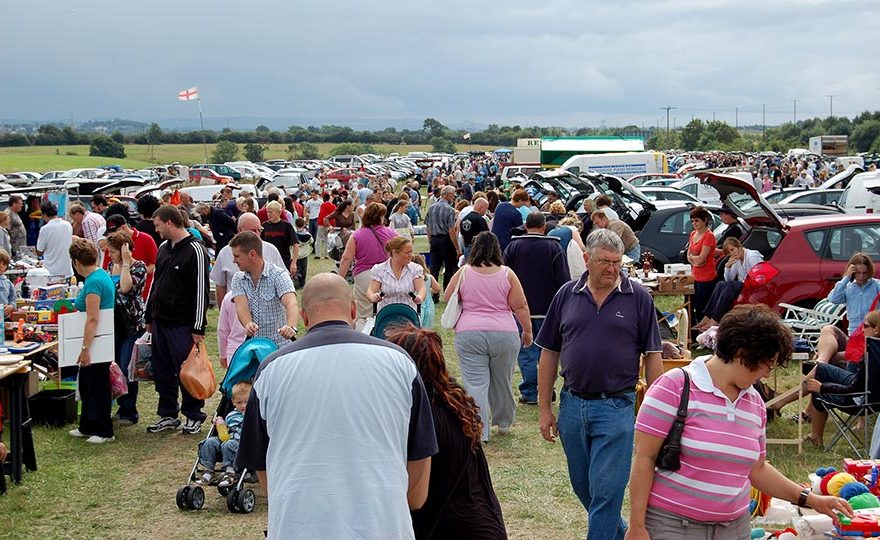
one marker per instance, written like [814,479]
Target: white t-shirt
[313,206]
[54,241]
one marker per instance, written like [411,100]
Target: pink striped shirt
[722,441]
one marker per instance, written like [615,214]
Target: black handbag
[669,457]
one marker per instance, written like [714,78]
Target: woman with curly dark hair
[461,501]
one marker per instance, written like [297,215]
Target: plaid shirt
[441,218]
[93,226]
[264,299]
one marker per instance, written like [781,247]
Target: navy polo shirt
[600,346]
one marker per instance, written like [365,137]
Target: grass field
[47,158]
[126,489]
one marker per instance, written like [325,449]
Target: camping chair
[807,323]
[867,402]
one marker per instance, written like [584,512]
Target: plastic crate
[53,407]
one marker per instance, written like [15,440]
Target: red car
[205,177]
[803,257]
[341,175]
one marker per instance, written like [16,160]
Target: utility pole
[830,105]
[794,114]
[713,116]
[737,117]
[667,109]
[763,120]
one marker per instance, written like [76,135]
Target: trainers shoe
[205,479]
[164,424]
[77,433]
[526,401]
[191,426]
[504,430]
[228,480]
[95,439]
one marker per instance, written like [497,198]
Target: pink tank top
[484,305]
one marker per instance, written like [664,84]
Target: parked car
[826,197]
[803,257]
[662,179]
[666,232]
[204,176]
[861,195]
[667,194]
[219,168]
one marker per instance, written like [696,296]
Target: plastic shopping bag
[118,384]
[141,366]
[197,374]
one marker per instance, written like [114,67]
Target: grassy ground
[126,489]
[46,158]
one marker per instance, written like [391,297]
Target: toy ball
[823,485]
[865,500]
[838,481]
[822,471]
[757,533]
[848,491]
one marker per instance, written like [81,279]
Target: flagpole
[202,121]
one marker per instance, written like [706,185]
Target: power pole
[737,117]
[667,109]
[794,114]
[830,105]
[763,120]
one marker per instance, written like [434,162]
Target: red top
[706,272]
[327,208]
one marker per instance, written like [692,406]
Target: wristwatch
[85,348]
[802,498]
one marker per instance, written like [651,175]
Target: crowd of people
[398,442]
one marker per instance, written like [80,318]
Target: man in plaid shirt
[265,299]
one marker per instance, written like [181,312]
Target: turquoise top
[98,282]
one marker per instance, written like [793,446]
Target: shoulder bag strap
[685,396]
[376,235]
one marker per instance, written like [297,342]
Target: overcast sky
[566,62]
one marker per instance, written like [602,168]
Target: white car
[667,194]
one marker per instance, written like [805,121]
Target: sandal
[808,440]
[805,418]
[227,480]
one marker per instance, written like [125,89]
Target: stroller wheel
[247,501]
[232,501]
[224,491]
[196,498]
[181,497]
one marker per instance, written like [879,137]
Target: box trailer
[829,145]
[623,165]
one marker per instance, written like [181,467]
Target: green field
[126,489]
[48,158]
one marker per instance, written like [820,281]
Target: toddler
[213,449]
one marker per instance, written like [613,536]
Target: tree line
[863,132]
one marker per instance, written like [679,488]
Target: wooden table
[800,358]
[21,452]
[687,295]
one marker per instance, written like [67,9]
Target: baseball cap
[114,222]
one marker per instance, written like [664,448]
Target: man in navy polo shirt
[597,326]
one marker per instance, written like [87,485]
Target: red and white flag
[188,95]
[466,136]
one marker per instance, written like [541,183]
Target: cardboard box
[675,284]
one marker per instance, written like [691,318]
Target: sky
[466,63]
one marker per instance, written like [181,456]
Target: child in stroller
[224,446]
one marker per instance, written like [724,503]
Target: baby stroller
[394,315]
[239,500]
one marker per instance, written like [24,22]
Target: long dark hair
[485,250]
[426,349]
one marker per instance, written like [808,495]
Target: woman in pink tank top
[487,340]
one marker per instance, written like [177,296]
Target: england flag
[188,95]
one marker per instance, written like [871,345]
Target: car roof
[836,219]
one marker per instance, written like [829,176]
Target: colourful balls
[850,490]
[838,481]
[865,500]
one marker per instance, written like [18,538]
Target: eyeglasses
[606,262]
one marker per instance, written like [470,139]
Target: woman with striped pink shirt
[723,443]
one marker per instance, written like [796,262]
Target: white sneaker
[77,433]
[94,439]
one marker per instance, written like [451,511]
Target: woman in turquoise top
[97,293]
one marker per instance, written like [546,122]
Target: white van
[623,164]
[862,195]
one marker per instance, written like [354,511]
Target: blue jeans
[212,450]
[635,253]
[127,403]
[597,436]
[528,365]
